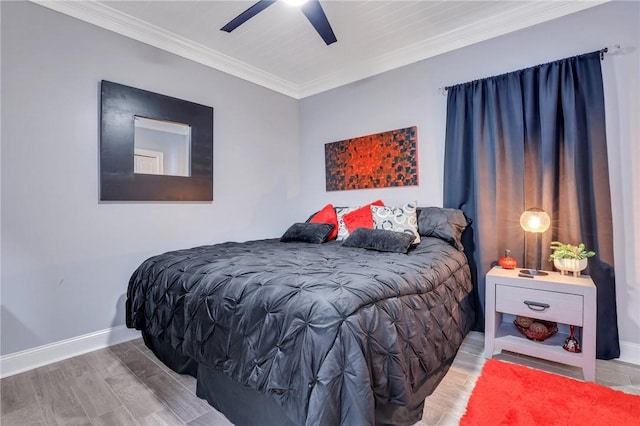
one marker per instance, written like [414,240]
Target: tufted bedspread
[329,332]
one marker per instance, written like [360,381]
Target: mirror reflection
[161,147]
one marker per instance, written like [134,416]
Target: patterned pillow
[343,231]
[399,219]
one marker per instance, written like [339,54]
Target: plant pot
[574,266]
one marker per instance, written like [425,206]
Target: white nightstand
[564,299]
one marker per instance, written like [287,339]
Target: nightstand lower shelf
[509,338]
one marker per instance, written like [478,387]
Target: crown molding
[530,13]
[111,19]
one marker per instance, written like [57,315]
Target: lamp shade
[535,220]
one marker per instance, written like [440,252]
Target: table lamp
[537,221]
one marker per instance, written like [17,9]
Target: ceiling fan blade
[314,13]
[247,14]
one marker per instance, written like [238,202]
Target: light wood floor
[126,385]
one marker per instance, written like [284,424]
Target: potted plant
[569,258]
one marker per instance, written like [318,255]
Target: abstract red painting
[373,161]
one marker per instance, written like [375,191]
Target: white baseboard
[19,362]
[630,352]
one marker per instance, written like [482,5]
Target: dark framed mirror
[154,147]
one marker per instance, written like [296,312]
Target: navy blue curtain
[534,138]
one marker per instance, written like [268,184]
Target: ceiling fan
[311,9]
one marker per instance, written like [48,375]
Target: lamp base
[533,272]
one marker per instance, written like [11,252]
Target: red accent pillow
[361,217]
[327,215]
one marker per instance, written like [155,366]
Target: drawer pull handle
[537,306]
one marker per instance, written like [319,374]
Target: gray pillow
[380,240]
[446,224]
[308,232]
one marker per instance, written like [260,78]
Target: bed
[295,333]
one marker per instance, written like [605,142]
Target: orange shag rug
[510,394]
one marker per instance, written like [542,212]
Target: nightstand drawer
[548,305]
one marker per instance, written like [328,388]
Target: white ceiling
[280,50]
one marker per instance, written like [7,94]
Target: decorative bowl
[536,333]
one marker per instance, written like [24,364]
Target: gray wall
[66,258]
[410,96]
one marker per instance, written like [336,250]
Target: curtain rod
[609,50]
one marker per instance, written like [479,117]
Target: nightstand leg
[589,373]
[488,348]
[491,322]
[491,328]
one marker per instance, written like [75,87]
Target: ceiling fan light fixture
[311,9]
[295,3]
